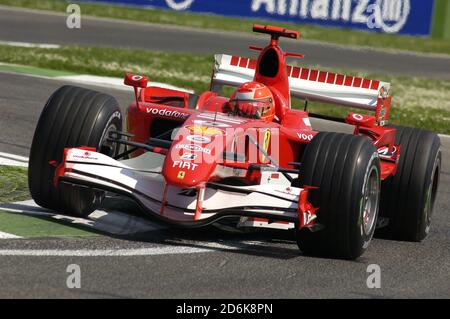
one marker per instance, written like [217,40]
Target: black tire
[72,117]
[341,166]
[407,199]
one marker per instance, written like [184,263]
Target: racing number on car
[266,142]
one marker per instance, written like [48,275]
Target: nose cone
[193,155]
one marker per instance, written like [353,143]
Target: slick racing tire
[346,170]
[72,117]
[407,198]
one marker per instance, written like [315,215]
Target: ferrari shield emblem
[181,174]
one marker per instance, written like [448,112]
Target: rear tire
[407,199]
[346,170]
[72,117]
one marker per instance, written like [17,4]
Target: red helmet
[253,99]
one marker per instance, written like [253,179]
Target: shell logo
[205,130]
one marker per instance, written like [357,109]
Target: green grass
[192,71]
[30,226]
[13,188]
[25,69]
[417,101]
[13,184]
[310,32]
[422,117]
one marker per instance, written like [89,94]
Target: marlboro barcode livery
[248,160]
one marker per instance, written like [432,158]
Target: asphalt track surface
[216,264]
[44,27]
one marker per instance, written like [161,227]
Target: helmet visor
[251,108]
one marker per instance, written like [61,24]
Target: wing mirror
[136,81]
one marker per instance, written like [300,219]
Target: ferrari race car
[250,159]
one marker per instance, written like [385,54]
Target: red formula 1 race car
[193,160]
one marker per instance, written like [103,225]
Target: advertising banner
[412,17]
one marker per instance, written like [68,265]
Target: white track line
[208,247]
[114,223]
[15,157]
[4,235]
[13,160]
[111,222]
[107,252]
[30,45]
[94,80]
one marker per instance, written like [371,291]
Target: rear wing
[306,83]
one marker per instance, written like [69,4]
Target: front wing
[141,180]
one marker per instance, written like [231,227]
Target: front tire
[346,170]
[72,117]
